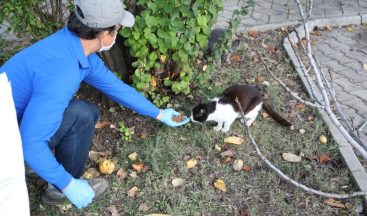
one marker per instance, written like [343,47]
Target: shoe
[53,196]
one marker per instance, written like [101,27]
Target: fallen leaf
[133,156]
[153,81]
[138,166]
[291,157]
[302,131]
[310,118]
[157,214]
[235,58]
[191,163]
[121,173]
[143,207]
[272,49]
[265,114]
[259,79]
[133,174]
[234,140]
[334,203]
[133,192]
[220,185]
[299,106]
[252,33]
[244,212]
[91,173]
[228,153]
[350,29]
[266,83]
[324,158]
[101,124]
[246,168]
[64,207]
[176,182]
[292,127]
[315,33]
[217,147]
[226,160]
[348,205]
[113,210]
[97,156]
[163,58]
[238,165]
[327,28]
[143,135]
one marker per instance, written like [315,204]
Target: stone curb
[356,169]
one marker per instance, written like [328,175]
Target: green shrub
[34,19]
[166,41]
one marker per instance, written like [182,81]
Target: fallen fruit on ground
[106,167]
[323,139]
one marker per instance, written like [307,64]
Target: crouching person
[44,78]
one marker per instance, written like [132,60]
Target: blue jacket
[44,78]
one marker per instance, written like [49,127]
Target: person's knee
[84,113]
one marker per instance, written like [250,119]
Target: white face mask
[105,48]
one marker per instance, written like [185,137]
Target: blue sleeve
[41,119]
[104,80]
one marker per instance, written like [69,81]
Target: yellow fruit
[106,167]
[323,139]
[87,175]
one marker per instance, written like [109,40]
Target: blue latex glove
[79,193]
[167,115]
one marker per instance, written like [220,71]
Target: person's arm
[51,93]
[104,80]
[40,121]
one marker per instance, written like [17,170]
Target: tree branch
[285,177]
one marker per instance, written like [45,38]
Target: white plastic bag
[13,189]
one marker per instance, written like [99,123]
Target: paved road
[344,51]
[269,14]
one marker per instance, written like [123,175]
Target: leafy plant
[125,132]
[34,19]
[166,41]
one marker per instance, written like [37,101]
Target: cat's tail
[278,118]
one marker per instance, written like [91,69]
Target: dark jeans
[73,139]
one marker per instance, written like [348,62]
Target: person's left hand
[166,117]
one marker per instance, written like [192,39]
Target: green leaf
[152,39]
[152,6]
[176,23]
[167,82]
[202,20]
[153,56]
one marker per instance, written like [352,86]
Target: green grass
[260,190]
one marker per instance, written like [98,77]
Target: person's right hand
[79,192]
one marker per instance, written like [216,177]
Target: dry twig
[285,177]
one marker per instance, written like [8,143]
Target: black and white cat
[224,109]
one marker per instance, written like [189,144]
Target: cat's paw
[216,128]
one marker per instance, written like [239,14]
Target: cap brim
[128,20]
